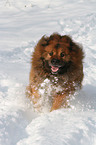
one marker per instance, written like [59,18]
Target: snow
[22,24]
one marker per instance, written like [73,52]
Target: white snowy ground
[22,23]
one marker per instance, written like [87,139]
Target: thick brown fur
[58,59]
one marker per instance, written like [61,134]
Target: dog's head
[58,53]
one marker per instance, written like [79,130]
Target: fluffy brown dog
[56,72]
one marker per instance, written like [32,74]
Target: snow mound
[62,127]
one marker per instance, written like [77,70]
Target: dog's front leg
[59,101]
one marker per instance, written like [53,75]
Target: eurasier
[56,72]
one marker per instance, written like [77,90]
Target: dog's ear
[44,41]
[66,39]
[69,42]
[55,36]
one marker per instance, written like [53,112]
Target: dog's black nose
[55,61]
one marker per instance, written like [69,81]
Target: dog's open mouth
[54,69]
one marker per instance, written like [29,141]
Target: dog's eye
[62,54]
[51,53]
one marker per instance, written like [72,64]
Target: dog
[56,72]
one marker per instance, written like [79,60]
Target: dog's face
[56,55]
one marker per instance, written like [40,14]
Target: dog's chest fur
[48,87]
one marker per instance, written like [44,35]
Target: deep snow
[22,23]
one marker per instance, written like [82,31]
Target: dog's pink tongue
[54,68]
